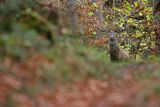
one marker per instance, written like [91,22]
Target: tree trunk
[73,15]
[156,12]
[99,15]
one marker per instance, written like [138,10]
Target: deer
[116,53]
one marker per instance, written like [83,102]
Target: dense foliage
[133,23]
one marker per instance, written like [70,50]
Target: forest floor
[77,81]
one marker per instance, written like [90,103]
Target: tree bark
[156,11]
[99,15]
[72,4]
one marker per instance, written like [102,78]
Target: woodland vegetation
[79,53]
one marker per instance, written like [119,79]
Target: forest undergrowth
[69,75]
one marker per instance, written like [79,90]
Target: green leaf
[140,14]
[95,5]
[94,33]
[90,14]
[135,4]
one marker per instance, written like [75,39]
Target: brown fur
[117,54]
[123,55]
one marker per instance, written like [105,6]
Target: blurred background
[56,53]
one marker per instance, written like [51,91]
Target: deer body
[116,54]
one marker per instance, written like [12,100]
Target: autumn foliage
[45,63]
